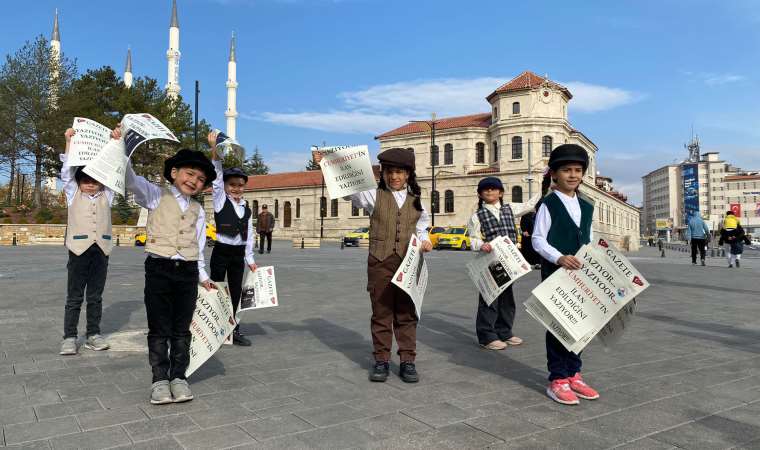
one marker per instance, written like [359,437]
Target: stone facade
[53,234]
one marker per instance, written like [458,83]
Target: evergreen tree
[255,164]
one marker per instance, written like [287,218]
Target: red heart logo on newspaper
[414,242]
[80,120]
[274,301]
[525,267]
[603,243]
[400,277]
[147,116]
[231,320]
[637,280]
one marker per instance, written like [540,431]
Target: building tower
[231,113]
[128,69]
[55,54]
[172,55]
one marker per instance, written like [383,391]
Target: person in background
[264,227]
[697,233]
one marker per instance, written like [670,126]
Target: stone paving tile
[646,444]
[67,408]
[454,437]
[257,405]
[167,443]
[222,437]
[97,439]
[390,425]
[438,415]
[159,427]
[336,437]
[275,426]
[714,432]
[215,417]
[119,400]
[331,415]
[12,416]
[36,445]
[107,418]
[558,439]
[280,443]
[18,433]
[153,411]
[504,427]
[79,392]
[630,424]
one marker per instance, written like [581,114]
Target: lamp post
[322,202]
[433,163]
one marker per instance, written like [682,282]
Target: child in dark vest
[88,239]
[176,238]
[494,218]
[396,213]
[563,226]
[233,249]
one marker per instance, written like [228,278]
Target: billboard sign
[663,224]
[690,174]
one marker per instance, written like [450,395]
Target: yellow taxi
[454,237]
[140,238]
[434,233]
[352,238]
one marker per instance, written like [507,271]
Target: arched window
[255,208]
[546,146]
[323,206]
[334,207]
[434,202]
[298,208]
[516,147]
[495,151]
[480,153]
[495,115]
[448,154]
[365,212]
[516,108]
[276,209]
[434,155]
[448,198]
[286,212]
[354,210]
[517,196]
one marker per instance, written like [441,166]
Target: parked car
[140,239]
[454,237]
[435,233]
[352,238]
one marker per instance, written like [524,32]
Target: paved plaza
[686,375]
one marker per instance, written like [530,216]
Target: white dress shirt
[148,195]
[367,200]
[544,223]
[518,210]
[219,199]
[70,185]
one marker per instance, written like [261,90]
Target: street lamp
[322,203]
[433,163]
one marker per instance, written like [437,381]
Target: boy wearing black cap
[233,249]
[396,213]
[494,218]
[88,239]
[563,226]
[176,239]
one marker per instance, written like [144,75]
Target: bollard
[723,253]
[302,242]
[342,244]
[14,239]
[712,253]
[117,240]
[662,255]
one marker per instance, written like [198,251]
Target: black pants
[89,271]
[268,237]
[495,322]
[561,362]
[698,244]
[171,288]
[229,261]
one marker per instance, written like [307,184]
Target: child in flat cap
[396,213]
[563,225]
[233,250]
[176,239]
[494,218]
[88,239]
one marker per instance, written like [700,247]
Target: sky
[644,73]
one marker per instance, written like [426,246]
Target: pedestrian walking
[698,234]
[735,238]
[264,227]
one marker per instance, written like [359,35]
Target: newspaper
[259,289]
[224,143]
[347,170]
[575,305]
[109,166]
[142,219]
[611,333]
[494,272]
[412,274]
[213,322]
[86,143]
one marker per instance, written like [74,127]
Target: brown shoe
[514,340]
[496,345]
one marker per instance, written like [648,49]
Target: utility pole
[433,163]
[530,172]
[195,130]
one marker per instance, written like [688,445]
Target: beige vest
[390,228]
[171,231]
[89,223]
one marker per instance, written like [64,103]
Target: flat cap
[397,157]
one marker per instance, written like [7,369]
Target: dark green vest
[564,235]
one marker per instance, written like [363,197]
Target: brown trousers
[392,311]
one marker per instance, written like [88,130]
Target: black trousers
[268,236]
[171,289]
[86,271]
[698,244]
[229,261]
[561,362]
[495,322]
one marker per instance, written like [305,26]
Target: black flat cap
[397,157]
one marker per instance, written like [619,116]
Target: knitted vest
[492,228]
[564,234]
[390,228]
[89,223]
[229,224]
[171,231]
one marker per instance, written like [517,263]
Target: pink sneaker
[582,389]
[560,392]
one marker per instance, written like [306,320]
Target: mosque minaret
[172,55]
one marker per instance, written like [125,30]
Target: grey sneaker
[160,393]
[96,342]
[181,390]
[69,346]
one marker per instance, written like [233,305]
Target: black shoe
[380,371]
[269,251]
[737,264]
[239,339]
[408,373]
[703,262]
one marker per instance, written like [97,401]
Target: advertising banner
[690,173]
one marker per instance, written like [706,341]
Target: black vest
[229,224]
[564,234]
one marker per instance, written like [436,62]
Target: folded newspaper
[412,275]
[494,272]
[347,170]
[212,323]
[576,305]
[259,289]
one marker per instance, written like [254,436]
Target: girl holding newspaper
[493,219]
[563,226]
